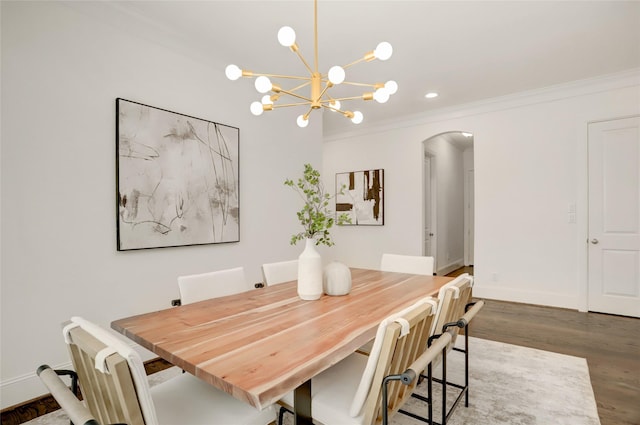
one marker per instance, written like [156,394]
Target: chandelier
[316,94]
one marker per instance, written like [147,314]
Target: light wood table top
[261,344]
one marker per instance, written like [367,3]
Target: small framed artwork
[176,179]
[362,197]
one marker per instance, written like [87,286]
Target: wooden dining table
[261,344]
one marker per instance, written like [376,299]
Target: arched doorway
[448,204]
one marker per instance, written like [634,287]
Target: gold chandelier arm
[353,63]
[365,96]
[291,77]
[329,85]
[300,86]
[331,108]
[304,61]
[368,57]
[296,95]
[286,105]
[375,85]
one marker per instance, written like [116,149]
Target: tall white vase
[310,272]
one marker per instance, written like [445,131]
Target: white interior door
[614,217]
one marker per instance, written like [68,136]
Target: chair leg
[430,394]
[281,413]
[444,388]
[466,365]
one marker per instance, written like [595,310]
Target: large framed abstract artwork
[363,196]
[176,179]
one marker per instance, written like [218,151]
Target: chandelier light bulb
[383,51]
[302,121]
[263,84]
[266,100]
[381,95]
[336,74]
[357,117]
[336,105]
[391,86]
[256,108]
[233,72]
[286,36]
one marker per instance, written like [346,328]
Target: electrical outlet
[494,276]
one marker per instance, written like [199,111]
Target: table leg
[302,404]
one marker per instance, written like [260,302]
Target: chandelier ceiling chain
[319,84]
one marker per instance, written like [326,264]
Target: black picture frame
[177,179]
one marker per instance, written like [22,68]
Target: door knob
[594,241]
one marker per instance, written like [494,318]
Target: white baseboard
[455,265]
[550,299]
[19,389]
[23,388]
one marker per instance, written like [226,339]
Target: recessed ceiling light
[431,95]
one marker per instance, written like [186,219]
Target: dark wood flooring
[611,345]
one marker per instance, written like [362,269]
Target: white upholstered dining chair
[364,390]
[415,264]
[279,272]
[115,387]
[198,287]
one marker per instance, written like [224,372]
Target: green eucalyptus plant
[316,217]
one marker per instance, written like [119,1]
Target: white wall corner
[448,268]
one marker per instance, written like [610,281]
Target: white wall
[61,72]
[530,164]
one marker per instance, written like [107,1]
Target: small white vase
[310,272]
[337,279]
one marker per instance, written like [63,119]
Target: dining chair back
[366,390]
[203,286]
[453,296]
[415,264]
[279,272]
[115,386]
[399,342]
[455,312]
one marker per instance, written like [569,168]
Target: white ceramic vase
[310,272]
[337,279]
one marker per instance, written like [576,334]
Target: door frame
[582,213]
[432,180]
[469,216]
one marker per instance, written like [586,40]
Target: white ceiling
[465,50]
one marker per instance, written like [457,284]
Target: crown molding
[628,78]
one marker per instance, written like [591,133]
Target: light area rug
[508,385]
[514,385]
